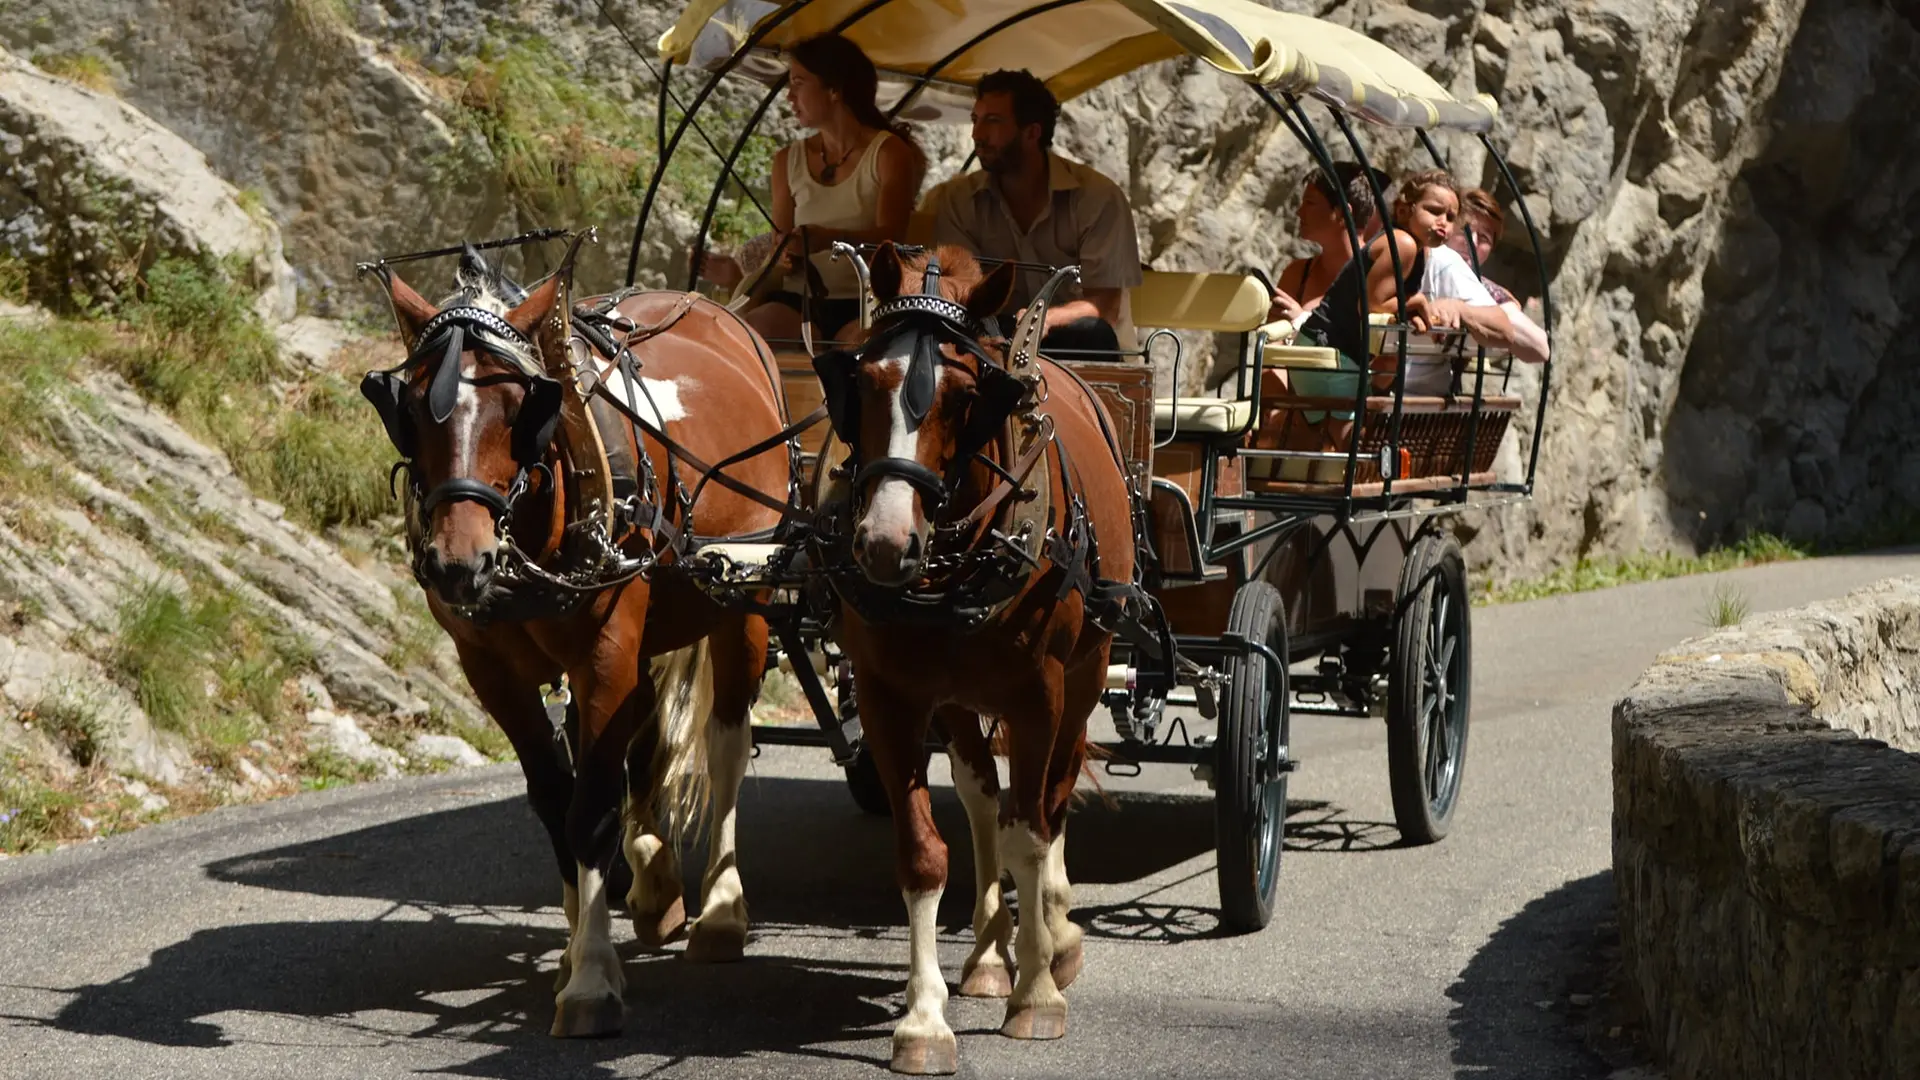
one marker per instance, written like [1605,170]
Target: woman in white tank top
[856,178]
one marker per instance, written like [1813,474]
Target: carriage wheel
[1250,800]
[1428,693]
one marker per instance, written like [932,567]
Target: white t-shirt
[1450,278]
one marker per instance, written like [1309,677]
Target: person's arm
[1488,325]
[1529,339]
[1095,303]
[1109,263]
[725,270]
[1383,293]
[1285,305]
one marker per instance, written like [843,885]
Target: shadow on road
[1510,1017]
[807,854]
[455,957]
[476,983]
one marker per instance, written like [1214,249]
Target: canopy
[1076,45]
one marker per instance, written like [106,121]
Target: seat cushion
[1201,416]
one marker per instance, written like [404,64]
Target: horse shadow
[477,983]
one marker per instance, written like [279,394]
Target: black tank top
[1337,322]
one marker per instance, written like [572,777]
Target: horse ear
[411,311]
[886,272]
[992,295]
[532,311]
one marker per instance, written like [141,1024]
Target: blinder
[447,336]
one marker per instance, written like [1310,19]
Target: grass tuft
[1728,605]
[84,68]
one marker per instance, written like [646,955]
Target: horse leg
[739,660]
[612,693]
[656,899]
[522,715]
[1036,1009]
[658,764]
[987,972]
[896,726]
[1082,693]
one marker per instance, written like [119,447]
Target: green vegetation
[1727,606]
[74,723]
[572,154]
[37,361]
[1588,574]
[204,666]
[321,21]
[87,69]
[190,342]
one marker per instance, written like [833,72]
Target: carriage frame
[1333,559]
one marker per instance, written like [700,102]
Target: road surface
[412,927]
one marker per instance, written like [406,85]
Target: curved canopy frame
[1078,45]
[1074,46]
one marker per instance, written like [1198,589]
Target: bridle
[924,321]
[447,336]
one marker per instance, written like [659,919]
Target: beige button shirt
[1087,223]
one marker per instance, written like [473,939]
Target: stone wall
[1767,843]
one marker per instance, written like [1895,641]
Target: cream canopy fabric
[1075,45]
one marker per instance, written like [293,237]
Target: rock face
[1723,189]
[1766,857]
[92,192]
[284,98]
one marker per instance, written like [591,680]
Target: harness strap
[710,472]
[1016,478]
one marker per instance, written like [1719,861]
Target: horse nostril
[913,550]
[860,544]
[484,569]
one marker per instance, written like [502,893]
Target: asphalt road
[412,927]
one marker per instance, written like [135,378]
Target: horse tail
[683,701]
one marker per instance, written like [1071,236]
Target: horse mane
[960,272]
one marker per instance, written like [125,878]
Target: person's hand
[787,256]
[1418,312]
[722,270]
[1445,314]
[1285,307]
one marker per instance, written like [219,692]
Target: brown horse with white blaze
[662,677]
[926,406]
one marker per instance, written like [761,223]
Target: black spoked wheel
[1250,778]
[1429,690]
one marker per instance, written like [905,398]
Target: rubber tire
[1249,837]
[1434,565]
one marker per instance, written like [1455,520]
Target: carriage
[1293,572]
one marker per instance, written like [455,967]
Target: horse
[945,623]
[518,569]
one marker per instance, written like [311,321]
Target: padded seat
[1201,416]
[1225,303]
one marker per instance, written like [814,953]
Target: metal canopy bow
[1075,45]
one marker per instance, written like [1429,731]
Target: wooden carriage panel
[802,387]
[1127,392]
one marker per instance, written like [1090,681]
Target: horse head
[917,400]
[472,413]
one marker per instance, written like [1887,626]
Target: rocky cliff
[203,602]
[1724,190]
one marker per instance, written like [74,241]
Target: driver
[1028,204]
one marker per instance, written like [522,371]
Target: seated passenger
[1305,281]
[1428,206]
[1030,205]
[854,179]
[1484,224]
